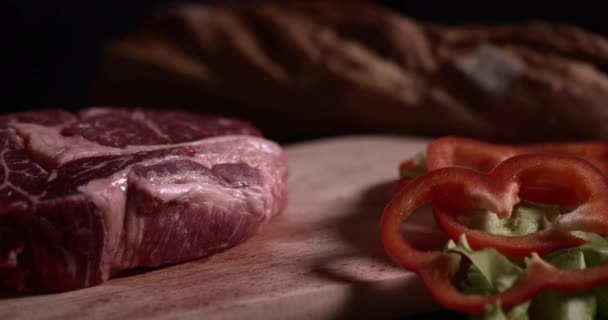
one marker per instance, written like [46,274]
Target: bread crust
[302,69]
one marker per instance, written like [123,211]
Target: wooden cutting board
[321,259]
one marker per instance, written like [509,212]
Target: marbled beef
[85,196]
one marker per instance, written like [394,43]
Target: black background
[54,46]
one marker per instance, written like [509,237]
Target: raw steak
[83,197]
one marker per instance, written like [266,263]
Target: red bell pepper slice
[592,151]
[457,190]
[468,153]
[483,156]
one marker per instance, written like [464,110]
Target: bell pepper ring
[467,153]
[456,190]
[484,156]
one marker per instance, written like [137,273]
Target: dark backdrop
[53,46]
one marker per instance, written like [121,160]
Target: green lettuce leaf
[490,271]
[495,312]
[591,237]
[601,299]
[416,170]
[527,217]
[558,305]
[596,253]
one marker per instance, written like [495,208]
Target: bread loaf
[302,69]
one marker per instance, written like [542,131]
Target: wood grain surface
[321,259]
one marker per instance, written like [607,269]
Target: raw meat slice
[152,188]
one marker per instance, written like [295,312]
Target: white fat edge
[56,149]
[13,131]
[259,153]
[259,143]
[278,185]
[264,155]
[202,191]
[125,256]
[95,111]
[4,166]
[51,137]
[109,196]
[203,196]
[255,152]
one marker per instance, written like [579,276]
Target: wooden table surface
[321,259]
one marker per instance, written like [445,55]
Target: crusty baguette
[301,69]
